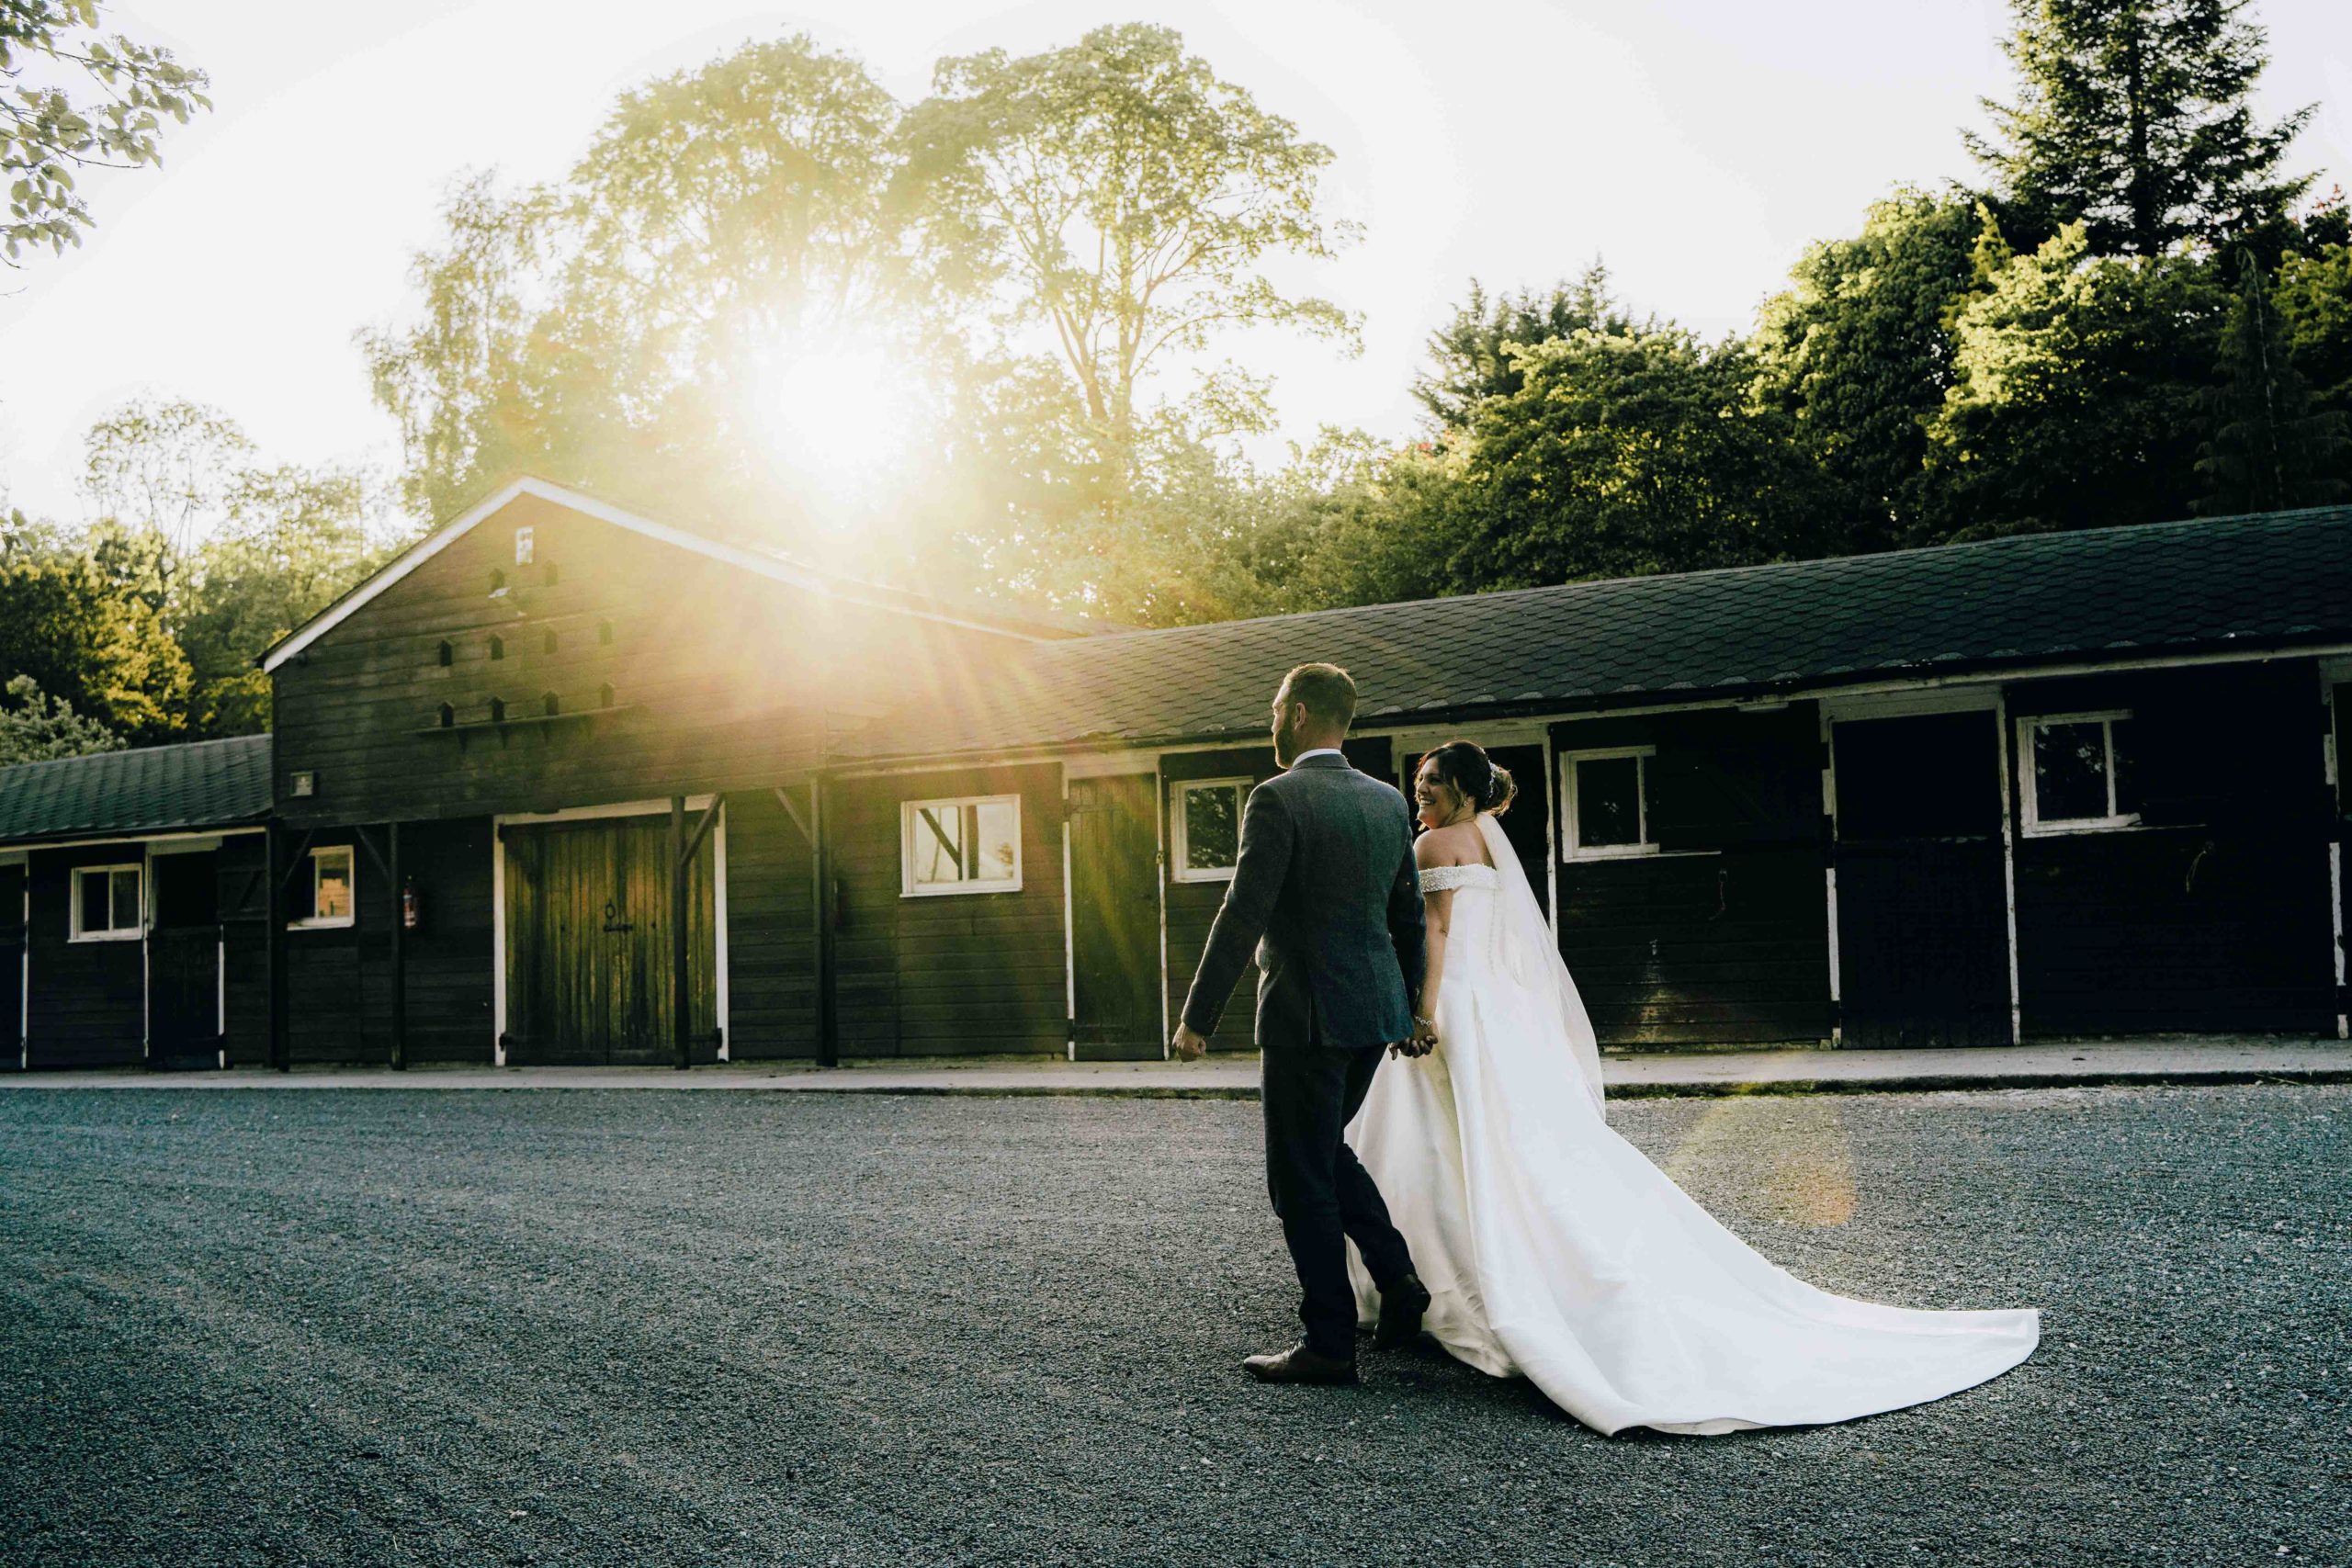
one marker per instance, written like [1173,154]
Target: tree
[2268,449]
[69,620]
[1123,196]
[168,467]
[295,540]
[2314,300]
[1470,356]
[2077,383]
[45,135]
[1858,352]
[1625,452]
[38,728]
[2132,118]
[617,330]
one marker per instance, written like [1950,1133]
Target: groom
[1325,892]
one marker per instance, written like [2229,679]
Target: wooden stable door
[12,964]
[588,972]
[1115,920]
[183,955]
[1923,954]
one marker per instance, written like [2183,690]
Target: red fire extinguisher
[412,905]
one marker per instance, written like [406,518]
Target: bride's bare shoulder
[1457,845]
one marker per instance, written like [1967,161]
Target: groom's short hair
[1325,690]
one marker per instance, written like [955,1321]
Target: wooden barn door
[12,964]
[1115,920]
[183,997]
[588,942]
[1922,921]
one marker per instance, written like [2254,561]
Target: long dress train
[1553,1248]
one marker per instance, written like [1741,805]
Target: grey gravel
[579,1326]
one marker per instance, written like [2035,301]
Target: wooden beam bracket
[701,830]
[784,798]
[303,848]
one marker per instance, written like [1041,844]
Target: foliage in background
[145,622]
[2133,119]
[36,727]
[1040,277]
[113,119]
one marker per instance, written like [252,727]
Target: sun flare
[837,412]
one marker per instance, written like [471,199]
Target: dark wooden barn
[567,784]
[130,889]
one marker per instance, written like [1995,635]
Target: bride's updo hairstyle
[1465,766]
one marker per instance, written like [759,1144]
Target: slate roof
[2271,579]
[202,784]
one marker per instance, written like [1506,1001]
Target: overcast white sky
[1694,145]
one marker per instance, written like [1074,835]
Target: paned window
[110,903]
[1605,803]
[971,845]
[329,886]
[2077,772]
[1206,828]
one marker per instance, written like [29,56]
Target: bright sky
[1694,145]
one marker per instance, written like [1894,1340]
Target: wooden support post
[1829,870]
[2331,817]
[681,991]
[2009,860]
[399,951]
[273,917]
[820,878]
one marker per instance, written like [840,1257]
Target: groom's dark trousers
[1324,892]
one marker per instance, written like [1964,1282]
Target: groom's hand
[1187,1045]
[1423,1040]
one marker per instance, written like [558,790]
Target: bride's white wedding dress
[1553,1248]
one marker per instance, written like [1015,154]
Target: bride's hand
[1423,1041]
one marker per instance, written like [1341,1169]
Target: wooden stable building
[562,783]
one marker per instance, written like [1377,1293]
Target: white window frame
[2028,786]
[1572,846]
[1179,868]
[134,932]
[351,876]
[908,889]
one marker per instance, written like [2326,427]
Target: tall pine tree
[2267,449]
[2132,117]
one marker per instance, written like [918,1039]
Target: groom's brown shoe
[1300,1363]
[1401,1306]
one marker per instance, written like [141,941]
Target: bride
[1553,1248]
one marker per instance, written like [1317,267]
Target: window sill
[133,936]
[2066,829]
[962,891]
[1212,877]
[1600,857]
[345,924]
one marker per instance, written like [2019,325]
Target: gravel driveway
[578,1326]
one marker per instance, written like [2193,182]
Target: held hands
[1423,1040]
[1186,1045]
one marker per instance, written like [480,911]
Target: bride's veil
[1530,957]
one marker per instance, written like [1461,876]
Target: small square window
[970,845]
[108,904]
[1605,806]
[332,895]
[1206,828]
[2077,771]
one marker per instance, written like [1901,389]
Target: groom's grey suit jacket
[1326,893]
